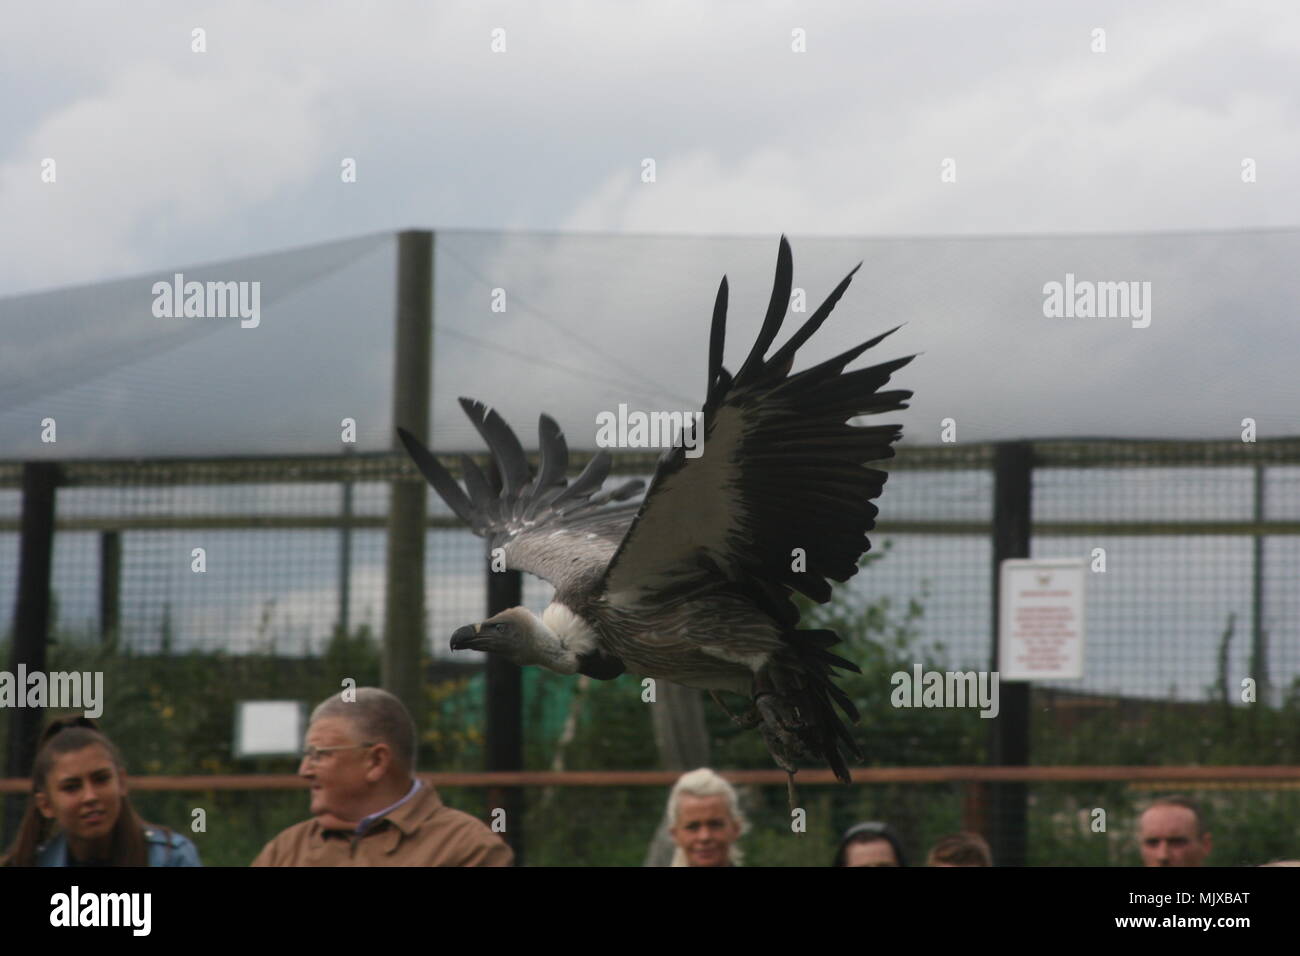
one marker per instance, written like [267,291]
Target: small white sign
[269,728]
[1040,631]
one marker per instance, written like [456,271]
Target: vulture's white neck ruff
[557,639]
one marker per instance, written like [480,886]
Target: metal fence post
[31,622]
[345,551]
[1258,636]
[1013,479]
[110,588]
[504,706]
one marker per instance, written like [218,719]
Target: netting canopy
[1168,336]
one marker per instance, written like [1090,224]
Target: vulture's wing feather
[781,493]
[558,531]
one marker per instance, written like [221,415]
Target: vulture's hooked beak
[463,639]
[494,637]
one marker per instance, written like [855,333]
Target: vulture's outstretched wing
[546,526]
[780,494]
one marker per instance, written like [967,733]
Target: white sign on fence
[265,728]
[1040,631]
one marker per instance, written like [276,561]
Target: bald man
[1171,832]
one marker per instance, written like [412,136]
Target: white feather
[574,633]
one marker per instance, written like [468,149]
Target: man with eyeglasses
[367,807]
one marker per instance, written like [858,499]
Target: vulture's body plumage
[693,583]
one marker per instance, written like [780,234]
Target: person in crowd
[960,849]
[79,813]
[368,808]
[870,844]
[705,820]
[1172,832]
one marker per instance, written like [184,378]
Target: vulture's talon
[746,721]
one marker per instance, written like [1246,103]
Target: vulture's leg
[781,741]
[746,721]
[781,725]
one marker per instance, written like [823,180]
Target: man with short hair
[1171,832]
[368,809]
[960,849]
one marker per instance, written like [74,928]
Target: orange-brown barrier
[665,778]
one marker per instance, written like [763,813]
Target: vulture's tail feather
[806,677]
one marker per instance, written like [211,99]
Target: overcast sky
[968,154]
[166,157]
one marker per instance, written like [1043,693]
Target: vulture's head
[509,634]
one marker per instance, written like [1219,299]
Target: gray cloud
[166,157]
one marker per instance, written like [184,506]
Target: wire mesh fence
[194,584]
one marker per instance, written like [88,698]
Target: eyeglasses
[313,754]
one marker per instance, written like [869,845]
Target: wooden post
[974,807]
[412,375]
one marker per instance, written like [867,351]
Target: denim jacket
[176,851]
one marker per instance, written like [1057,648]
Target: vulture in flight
[692,584]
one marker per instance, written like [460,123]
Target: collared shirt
[365,823]
[166,848]
[417,831]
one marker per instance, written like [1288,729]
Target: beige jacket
[421,832]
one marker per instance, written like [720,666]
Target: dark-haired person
[870,844]
[79,786]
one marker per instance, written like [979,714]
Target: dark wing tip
[473,407]
[412,444]
[437,476]
[777,307]
[717,336]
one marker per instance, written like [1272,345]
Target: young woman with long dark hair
[79,813]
